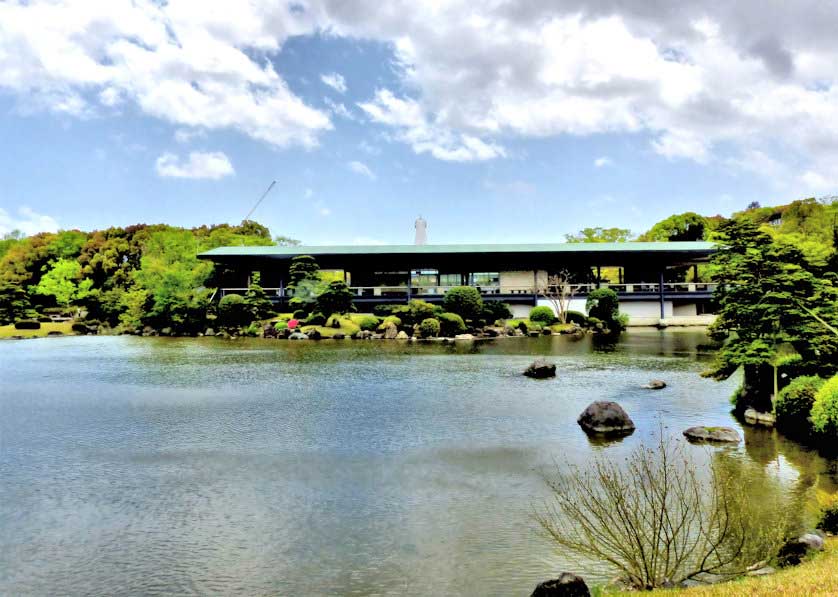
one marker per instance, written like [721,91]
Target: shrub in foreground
[495,310]
[543,315]
[233,312]
[465,301]
[27,324]
[654,519]
[429,328]
[576,317]
[451,324]
[315,318]
[825,408]
[794,403]
[367,322]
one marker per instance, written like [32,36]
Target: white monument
[421,232]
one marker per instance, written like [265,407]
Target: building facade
[657,283]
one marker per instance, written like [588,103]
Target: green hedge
[27,324]
[794,403]
[825,408]
[543,315]
[576,317]
[465,301]
[367,322]
[451,324]
[429,328]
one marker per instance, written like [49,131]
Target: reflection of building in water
[421,232]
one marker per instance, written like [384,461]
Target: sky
[496,121]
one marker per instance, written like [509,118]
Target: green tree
[257,303]
[603,304]
[173,276]
[303,267]
[769,295]
[335,298]
[688,226]
[63,282]
[600,235]
[14,304]
[465,301]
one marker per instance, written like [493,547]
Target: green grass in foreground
[65,327]
[818,576]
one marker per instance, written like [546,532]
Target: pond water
[184,466]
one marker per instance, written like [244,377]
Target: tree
[14,304]
[303,267]
[336,298]
[600,235]
[603,304]
[559,291]
[688,226]
[769,295]
[173,277]
[286,241]
[465,301]
[63,282]
[257,302]
[655,521]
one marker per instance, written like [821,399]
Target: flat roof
[694,247]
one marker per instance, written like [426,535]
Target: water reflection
[144,465]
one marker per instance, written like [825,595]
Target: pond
[185,466]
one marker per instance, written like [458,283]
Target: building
[650,278]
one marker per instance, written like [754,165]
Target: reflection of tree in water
[807,474]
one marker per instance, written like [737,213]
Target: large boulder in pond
[712,435]
[606,418]
[298,336]
[655,384]
[391,331]
[567,585]
[754,417]
[540,369]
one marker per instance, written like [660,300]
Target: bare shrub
[659,518]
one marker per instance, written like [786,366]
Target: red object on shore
[292,323]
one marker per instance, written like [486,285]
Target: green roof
[626,247]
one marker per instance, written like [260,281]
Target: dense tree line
[127,277]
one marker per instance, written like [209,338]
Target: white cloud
[186,63]
[212,165]
[27,221]
[414,128]
[362,169]
[338,109]
[187,135]
[603,161]
[335,81]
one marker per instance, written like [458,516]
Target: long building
[655,281]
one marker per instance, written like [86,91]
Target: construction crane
[265,194]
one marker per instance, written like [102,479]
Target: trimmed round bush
[604,305]
[495,310]
[543,315]
[384,310]
[429,328]
[795,401]
[576,317]
[465,301]
[281,325]
[299,314]
[316,318]
[451,324]
[27,324]
[232,311]
[392,319]
[367,322]
[825,408]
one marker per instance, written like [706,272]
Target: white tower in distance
[421,232]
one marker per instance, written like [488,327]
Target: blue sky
[496,124]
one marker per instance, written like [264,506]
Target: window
[450,280]
[424,277]
[484,279]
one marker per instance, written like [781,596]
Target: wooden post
[409,283]
[660,293]
[598,275]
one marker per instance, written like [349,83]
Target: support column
[660,293]
[535,287]
[409,283]
[598,275]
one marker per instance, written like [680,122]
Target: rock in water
[567,585]
[712,434]
[298,336]
[401,335]
[391,331]
[606,417]
[655,384]
[754,417]
[540,369]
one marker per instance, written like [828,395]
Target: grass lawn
[347,327]
[819,576]
[65,327]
